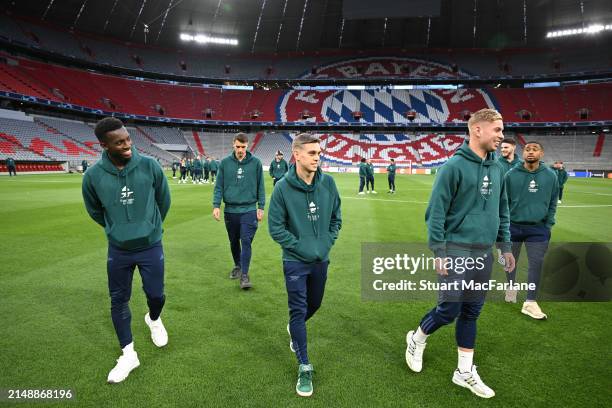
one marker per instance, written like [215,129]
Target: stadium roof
[310,25]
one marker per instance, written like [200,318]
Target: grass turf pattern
[230,348]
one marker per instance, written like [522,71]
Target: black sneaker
[235,273]
[245,283]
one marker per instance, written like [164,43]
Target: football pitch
[230,348]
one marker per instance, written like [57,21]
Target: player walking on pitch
[128,195]
[240,184]
[532,189]
[304,219]
[466,215]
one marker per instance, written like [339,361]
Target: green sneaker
[304,382]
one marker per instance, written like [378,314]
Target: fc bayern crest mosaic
[383,106]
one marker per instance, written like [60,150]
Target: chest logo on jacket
[127,197]
[240,173]
[486,187]
[312,211]
[533,187]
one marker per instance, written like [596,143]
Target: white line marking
[384,199]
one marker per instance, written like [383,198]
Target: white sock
[420,336]
[129,349]
[464,363]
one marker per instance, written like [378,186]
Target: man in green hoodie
[240,184]
[532,197]
[278,167]
[363,174]
[305,220]
[391,176]
[214,165]
[561,176]
[370,177]
[197,170]
[10,166]
[206,166]
[467,214]
[128,195]
[508,158]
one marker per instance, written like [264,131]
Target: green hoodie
[197,164]
[506,164]
[278,169]
[240,184]
[305,219]
[468,204]
[561,175]
[532,196]
[214,165]
[10,162]
[391,169]
[131,203]
[370,170]
[363,169]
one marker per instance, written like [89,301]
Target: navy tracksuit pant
[305,287]
[120,268]
[241,229]
[391,182]
[536,239]
[463,306]
[361,183]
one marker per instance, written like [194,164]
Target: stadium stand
[139,97]
[104,51]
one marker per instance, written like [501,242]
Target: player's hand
[440,269]
[217,214]
[260,214]
[510,263]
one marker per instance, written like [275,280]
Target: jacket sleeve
[336,216]
[261,188]
[271,168]
[503,233]
[442,193]
[162,191]
[218,194]
[92,202]
[552,206]
[277,221]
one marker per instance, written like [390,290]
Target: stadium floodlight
[207,39]
[592,29]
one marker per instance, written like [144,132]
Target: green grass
[230,348]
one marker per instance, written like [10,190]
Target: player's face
[240,149]
[532,153]
[490,134]
[118,144]
[307,156]
[507,150]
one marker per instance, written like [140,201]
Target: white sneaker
[558,201]
[511,295]
[414,352]
[125,364]
[532,309]
[159,335]
[374,192]
[471,380]
[368,192]
[361,193]
[290,340]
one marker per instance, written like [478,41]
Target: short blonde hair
[484,115]
[302,139]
